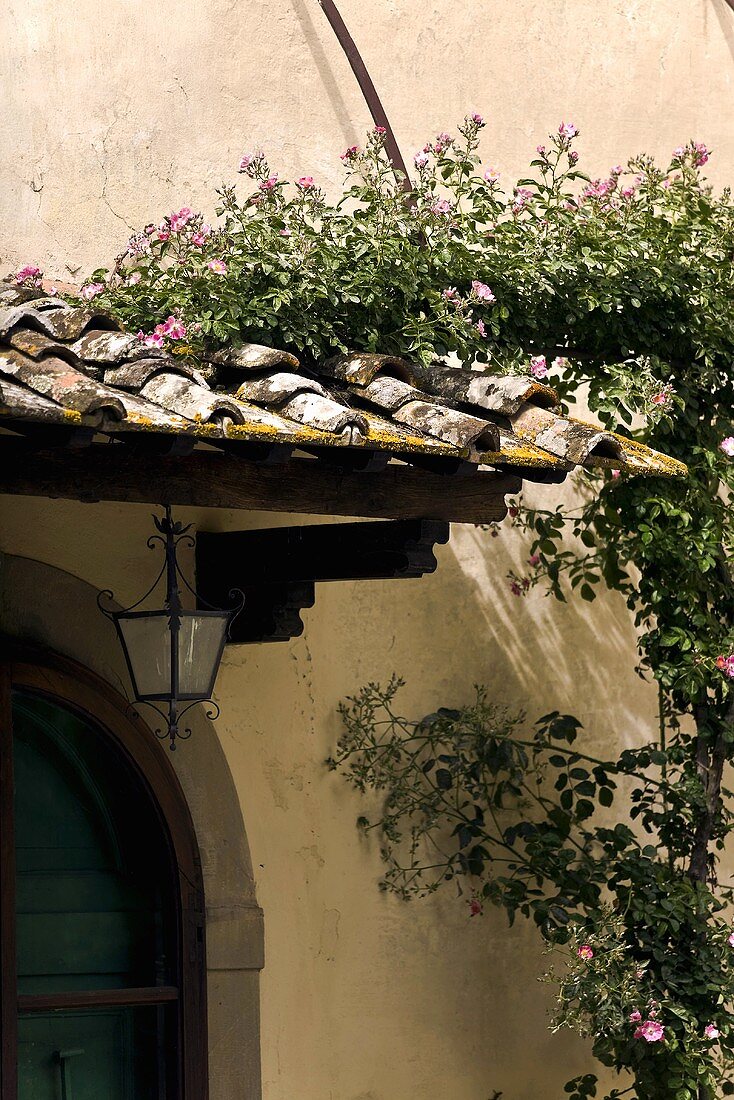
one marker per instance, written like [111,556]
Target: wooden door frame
[77,688]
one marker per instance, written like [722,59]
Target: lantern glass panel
[200,642]
[147,642]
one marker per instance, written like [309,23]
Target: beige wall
[114,113]
[365,998]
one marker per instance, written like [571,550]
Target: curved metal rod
[211,710]
[235,594]
[109,594]
[368,90]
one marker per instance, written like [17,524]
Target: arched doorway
[101,900]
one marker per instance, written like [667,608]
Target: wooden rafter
[216,479]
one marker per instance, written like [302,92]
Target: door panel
[94,911]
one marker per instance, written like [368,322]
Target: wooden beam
[277,568]
[316,552]
[212,479]
[272,612]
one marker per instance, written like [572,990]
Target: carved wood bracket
[278,568]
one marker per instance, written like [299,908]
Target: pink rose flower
[538,367]
[491,175]
[91,290]
[520,199]
[476,119]
[420,160]
[664,397]
[451,294]
[250,162]
[29,274]
[534,560]
[441,207]
[711,1031]
[198,238]
[350,153]
[540,150]
[700,154]
[173,328]
[560,362]
[616,473]
[635,1017]
[651,1031]
[730,940]
[285,233]
[443,141]
[269,183]
[305,183]
[154,340]
[726,665]
[585,952]
[475,907]
[380,131]
[181,219]
[727,446]
[218,267]
[573,157]
[480,328]
[482,291]
[567,130]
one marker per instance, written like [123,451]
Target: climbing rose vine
[618,287]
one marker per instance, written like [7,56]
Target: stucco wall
[124,109]
[365,998]
[112,114]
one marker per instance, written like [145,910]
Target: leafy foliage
[523,820]
[618,289]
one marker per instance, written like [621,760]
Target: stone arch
[35,603]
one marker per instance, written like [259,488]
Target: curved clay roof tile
[362,367]
[252,357]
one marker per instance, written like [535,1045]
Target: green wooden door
[94,908]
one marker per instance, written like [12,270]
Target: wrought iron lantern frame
[176,702]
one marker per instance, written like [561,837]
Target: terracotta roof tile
[61,364]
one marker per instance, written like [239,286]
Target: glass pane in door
[106,1054]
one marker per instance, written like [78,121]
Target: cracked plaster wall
[117,112]
[114,113]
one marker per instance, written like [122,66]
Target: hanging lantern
[172,653]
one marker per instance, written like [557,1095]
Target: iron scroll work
[172,653]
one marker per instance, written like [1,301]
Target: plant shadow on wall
[620,287]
